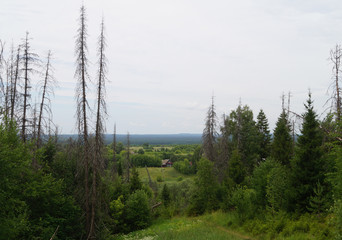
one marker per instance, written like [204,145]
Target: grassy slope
[205,227]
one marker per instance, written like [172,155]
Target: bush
[244,201]
[137,212]
[142,160]
[184,167]
[159,178]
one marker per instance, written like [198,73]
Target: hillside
[206,227]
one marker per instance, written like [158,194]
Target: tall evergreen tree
[265,136]
[244,135]
[307,166]
[282,145]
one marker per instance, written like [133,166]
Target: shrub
[137,212]
[243,199]
[159,178]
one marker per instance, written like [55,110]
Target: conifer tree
[265,136]
[307,166]
[135,183]
[282,145]
[209,136]
[236,169]
[244,135]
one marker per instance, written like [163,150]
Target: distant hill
[153,139]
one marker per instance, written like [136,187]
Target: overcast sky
[166,58]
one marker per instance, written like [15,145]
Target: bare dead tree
[29,60]
[209,135]
[99,129]
[82,105]
[335,58]
[46,88]
[14,83]
[2,84]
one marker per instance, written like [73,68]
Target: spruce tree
[135,183]
[282,146]
[307,166]
[265,136]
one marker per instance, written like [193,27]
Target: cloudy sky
[166,58]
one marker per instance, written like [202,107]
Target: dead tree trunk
[99,130]
[335,57]
[29,59]
[47,89]
[82,105]
[14,91]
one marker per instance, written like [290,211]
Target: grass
[186,228]
[220,225]
[168,175]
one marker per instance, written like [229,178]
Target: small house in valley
[166,163]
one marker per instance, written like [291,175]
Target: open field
[168,174]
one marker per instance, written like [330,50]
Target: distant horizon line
[140,134]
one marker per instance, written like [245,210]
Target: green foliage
[204,198]
[137,212]
[243,199]
[236,170]
[141,151]
[33,203]
[260,178]
[142,160]
[264,134]
[184,167]
[278,188]
[49,208]
[165,195]
[119,147]
[117,209]
[318,202]
[14,163]
[308,166]
[135,183]
[282,145]
[243,134]
[159,178]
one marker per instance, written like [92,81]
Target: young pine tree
[307,166]
[265,136]
[282,145]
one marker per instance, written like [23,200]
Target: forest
[252,181]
